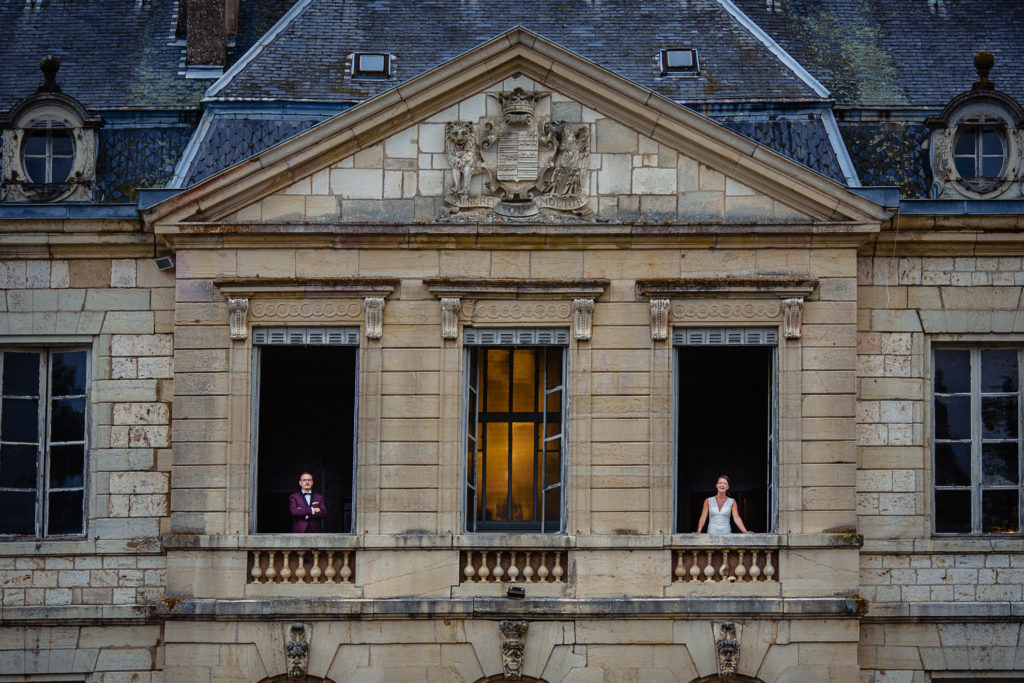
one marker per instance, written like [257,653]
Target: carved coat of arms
[527,163]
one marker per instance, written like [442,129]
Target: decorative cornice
[467,288]
[356,288]
[726,287]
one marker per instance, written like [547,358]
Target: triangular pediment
[646,158]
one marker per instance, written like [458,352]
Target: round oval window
[979,153]
[49,155]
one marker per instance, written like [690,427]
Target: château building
[514,282]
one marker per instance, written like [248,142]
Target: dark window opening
[306,423]
[977,459]
[725,426]
[979,153]
[43,400]
[514,440]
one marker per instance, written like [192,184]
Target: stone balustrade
[744,565]
[513,566]
[302,566]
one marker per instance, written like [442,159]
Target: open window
[515,436]
[726,416]
[304,416]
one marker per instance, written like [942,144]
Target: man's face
[306,482]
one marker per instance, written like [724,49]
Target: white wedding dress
[718,519]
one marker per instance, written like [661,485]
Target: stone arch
[734,678]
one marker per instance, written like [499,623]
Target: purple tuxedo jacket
[304,521]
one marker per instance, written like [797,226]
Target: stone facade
[344,228]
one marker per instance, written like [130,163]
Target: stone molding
[472,288]
[238,310]
[320,310]
[296,649]
[450,308]
[727,287]
[374,306]
[513,647]
[659,319]
[727,648]
[306,288]
[745,310]
[793,317]
[530,311]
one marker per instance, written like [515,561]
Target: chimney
[206,36]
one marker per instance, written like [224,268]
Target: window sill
[948,544]
[47,546]
[503,541]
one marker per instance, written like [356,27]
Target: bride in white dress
[718,509]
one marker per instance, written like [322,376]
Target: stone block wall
[120,309]
[99,654]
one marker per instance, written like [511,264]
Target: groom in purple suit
[307,508]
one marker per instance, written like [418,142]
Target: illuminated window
[977,457]
[515,436]
[43,442]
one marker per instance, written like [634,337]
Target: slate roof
[133,157]
[115,54]
[882,53]
[303,61]
[803,140]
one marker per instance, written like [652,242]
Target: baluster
[741,571]
[469,572]
[557,572]
[513,570]
[286,570]
[271,572]
[528,569]
[300,571]
[723,571]
[709,568]
[314,571]
[484,571]
[346,571]
[769,570]
[256,573]
[330,572]
[679,571]
[542,571]
[694,568]
[498,571]
[755,571]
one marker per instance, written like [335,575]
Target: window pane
[991,167]
[999,370]
[35,144]
[62,144]
[35,167]
[524,386]
[68,419]
[68,373]
[965,143]
[679,58]
[60,169]
[21,374]
[19,420]
[991,142]
[497,361]
[952,371]
[67,465]
[371,62]
[523,450]
[999,417]
[952,464]
[999,513]
[952,417]
[554,379]
[17,512]
[18,466]
[497,472]
[953,512]
[64,515]
[999,464]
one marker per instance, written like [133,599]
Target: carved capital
[513,645]
[450,307]
[727,648]
[659,319]
[374,307]
[583,318]
[238,318]
[296,650]
[793,317]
